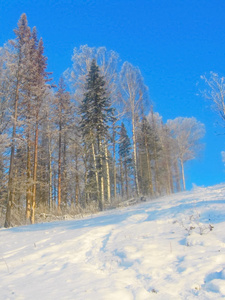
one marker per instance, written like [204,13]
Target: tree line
[92,140]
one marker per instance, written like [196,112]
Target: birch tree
[215,93]
[133,96]
[187,133]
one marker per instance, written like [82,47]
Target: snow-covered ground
[169,248]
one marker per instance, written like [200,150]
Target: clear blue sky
[173,42]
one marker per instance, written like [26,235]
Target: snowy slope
[169,248]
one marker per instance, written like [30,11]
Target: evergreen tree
[96,114]
[125,159]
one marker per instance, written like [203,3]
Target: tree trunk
[96,172]
[102,201]
[35,173]
[157,185]
[64,178]
[102,193]
[135,157]
[166,155]
[126,179]
[50,174]
[169,171]
[59,166]
[87,196]
[107,174]
[182,172]
[76,177]
[11,166]
[149,167]
[156,169]
[28,193]
[177,176]
[121,178]
[114,161]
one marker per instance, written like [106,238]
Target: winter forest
[87,143]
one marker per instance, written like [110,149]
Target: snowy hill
[169,248]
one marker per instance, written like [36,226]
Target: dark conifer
[125,158]
[95,109]
[96,114]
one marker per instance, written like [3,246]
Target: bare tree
[82,58]
[20,46]
[187,132]
[5,94]
[62,111]
[216,93]
[133,95]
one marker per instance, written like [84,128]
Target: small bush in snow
[192,223]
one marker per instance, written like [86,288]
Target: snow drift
[169,248]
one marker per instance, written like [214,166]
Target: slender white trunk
[107,174]
[114,163]
[149,167]
[102,199]
[50,175]
[33,206]
[182,172]
[135,156]
[11,166]
[96,171]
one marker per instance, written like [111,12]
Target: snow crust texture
[169,248]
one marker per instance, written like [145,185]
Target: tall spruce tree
[125,159]
[96,114]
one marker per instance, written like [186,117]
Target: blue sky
[173,42]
